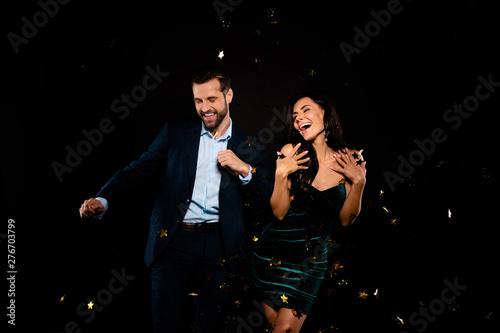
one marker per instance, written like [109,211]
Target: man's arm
[134,174]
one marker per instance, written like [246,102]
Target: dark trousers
[191,263]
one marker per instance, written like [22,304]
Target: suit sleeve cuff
[247,179]
[105,204]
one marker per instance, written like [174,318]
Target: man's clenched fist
[91,207]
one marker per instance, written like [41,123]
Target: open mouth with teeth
[304,127]
[208,116]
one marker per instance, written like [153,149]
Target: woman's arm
[356,173]
[280,199]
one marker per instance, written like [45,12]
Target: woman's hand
[352,168]
[286,165]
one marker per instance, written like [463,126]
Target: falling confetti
[221,54]
[163,232]
[449,213]
[357,155]
[284,298]
[63,298]
[90,305]
[307,244]
[296,313]
[400,321]
[362,294]
[274,262]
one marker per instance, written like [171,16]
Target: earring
[325,132]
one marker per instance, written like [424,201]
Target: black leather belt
[199,227]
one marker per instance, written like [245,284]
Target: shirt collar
[226,136]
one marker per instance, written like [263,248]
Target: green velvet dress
[290,257]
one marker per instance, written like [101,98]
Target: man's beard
[219,117]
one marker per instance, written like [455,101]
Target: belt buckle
[198,226]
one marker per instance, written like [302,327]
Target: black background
[396,90]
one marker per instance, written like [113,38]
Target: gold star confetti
[192,294]
[362,294]
[381,194]
[274,262]
[343,282]
[214,135]
[255,238]
[63,297]
[90,305]
[307,244]
[237,303]
[270,328]
[220,262]
[284,298]
[342,181]
[336,265]
[296,313]
[394,222]
[254,170]
[292,197]
[163,232]
[221,54]
[376,293]
[449,213]
[224,286]
[249,141]
[400,321]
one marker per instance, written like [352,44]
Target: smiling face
[308,118]
[211,104]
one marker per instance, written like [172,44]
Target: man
[196,227]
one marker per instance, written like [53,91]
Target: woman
[318,183]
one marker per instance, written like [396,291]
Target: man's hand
[229,159]
[90,208]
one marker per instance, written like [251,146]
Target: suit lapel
[191,145]
[234,144]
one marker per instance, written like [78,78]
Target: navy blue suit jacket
[175,153]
